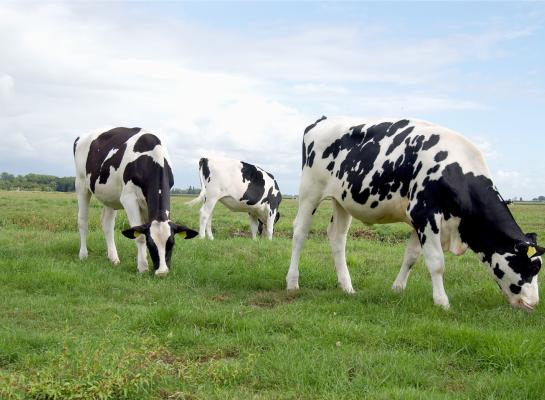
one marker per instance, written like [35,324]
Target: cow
[241,187]
[430,177]
[128,168]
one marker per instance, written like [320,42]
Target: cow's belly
[387,211]
[109,194]
[235,205]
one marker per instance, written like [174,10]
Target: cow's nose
[524,305]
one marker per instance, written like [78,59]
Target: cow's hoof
[115,261]
[161,273]
[143,268]
[83,255]
[292,286]
[348,290]
[398,287]
[443,303]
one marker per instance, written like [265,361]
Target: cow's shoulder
[144,171]
[251,173]
[254,176]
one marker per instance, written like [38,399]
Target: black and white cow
[128,168]
[241,187]
[430,177]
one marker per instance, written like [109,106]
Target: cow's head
[516,272]
[160,241]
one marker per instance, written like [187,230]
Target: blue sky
[243,79]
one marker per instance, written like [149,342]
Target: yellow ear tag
[136,234]
[182,234]
[531,251]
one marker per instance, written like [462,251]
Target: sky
[243,79]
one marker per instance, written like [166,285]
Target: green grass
[222,326]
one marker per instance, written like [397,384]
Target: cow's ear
[183,231]
[277,217]
[135,231]
[530,250]
[539,250]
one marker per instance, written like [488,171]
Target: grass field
[222,326]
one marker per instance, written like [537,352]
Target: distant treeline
[189,190]
[45,183]
[50,183]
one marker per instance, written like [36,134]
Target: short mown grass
[221,324]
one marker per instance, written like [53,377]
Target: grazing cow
[128,168]
[430,177]
[241,187]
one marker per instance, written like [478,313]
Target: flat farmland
[222,326]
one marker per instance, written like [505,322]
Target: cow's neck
[489,227]
[157,194]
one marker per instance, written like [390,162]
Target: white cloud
[508,176]
[68,69]
[7,84]
[513,184]
[80,79]
[489,151]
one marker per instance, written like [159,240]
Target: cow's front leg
[435,261]
[84,197]
[135,217]
[209,228]
[337,232]
[412,252]
[108,224]
[270,226]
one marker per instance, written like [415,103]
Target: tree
[37,182]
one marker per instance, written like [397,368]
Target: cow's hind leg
[84,197]
[254,225]
[301,227]
[412,252]
[108,224]
[435,261]
[337,232]
[205,217]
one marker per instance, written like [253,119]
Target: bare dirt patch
[270,299]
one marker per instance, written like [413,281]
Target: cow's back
[102,160]
[376,168]
[240,186]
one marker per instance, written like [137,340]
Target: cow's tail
[307,158]
[198,199]
[202,194]
[75,146]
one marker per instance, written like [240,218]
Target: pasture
[221,324]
